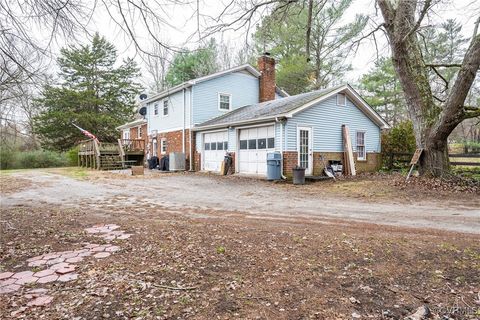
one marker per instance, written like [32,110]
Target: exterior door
[305,152]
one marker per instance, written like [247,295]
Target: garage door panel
[253,160]
[213,158]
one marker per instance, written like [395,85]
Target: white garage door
[253,148]
[215,145]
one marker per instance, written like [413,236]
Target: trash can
[273,166]
[298,175]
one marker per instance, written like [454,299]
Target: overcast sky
[181,24]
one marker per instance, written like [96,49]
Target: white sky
[183,25]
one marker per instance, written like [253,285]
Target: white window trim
[364,144]
[139,132]
[163,108]
[343,94]
[126,134]
[163,144]
[154,147]
[153,110]
[229,99]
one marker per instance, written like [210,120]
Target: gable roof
[287,107]
[134,123]
[245,67]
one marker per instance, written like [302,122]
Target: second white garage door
[253,147]
[215,145]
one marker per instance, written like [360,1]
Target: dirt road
[255,198]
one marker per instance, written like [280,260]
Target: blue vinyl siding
[242,87]
[175,119]
[326,120]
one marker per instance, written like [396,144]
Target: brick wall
[290,160]
[174,144]
[373,163]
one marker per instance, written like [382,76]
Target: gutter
[183,130]
[234,124]
[281,147]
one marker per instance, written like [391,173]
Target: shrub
[399,139]
[7,157]
[40,159]
[72,156]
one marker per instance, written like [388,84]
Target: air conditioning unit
[176,161]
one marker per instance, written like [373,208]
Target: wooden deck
[110,156]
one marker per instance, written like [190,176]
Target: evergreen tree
[92,93]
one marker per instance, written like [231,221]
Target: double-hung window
[163,146]
[224,101]
[155,109]
[165,108]
[361,150]
[139,131]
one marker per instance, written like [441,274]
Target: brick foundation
[290,160]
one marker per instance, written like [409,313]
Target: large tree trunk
[432,123]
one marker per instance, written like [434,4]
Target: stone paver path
[59,266]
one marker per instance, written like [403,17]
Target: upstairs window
[139,131]
[165,107]
[155,109]
[361,151]
[341,99]
[224,101]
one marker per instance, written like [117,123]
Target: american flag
[86,133]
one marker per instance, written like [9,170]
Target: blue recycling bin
[274,171]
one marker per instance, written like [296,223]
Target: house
[242,112]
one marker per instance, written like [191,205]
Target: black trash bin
[298,175]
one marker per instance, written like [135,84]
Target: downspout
[281,148]
[183,130]
[190,127]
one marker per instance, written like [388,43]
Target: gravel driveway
[186,192]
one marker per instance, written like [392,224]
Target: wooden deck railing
[130,145]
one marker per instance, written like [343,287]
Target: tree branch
[424,11]
[445,65]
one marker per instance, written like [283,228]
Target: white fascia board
[236,124]
[167,92]
[131,124]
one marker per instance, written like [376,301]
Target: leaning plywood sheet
[347,146]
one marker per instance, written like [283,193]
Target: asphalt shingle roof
[267,109]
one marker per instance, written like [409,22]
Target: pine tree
[91,92]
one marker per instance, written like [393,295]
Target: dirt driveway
[251,197]
[87,245]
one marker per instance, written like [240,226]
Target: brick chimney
[266,66]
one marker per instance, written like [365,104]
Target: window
[126,134]
[252,144]
[219,145]
[341,99]
[361,151]
[155,109]
[225,145]
[165,107]
[139,131]
[262,143]
[224,101]
[271,143]
[207,146]
[213,146]
[243,144]
[163,145]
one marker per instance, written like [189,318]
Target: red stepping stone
[47,279]
[7,282]
[65,270]
[5,275]
[101,255]
[40,301]
[52,255]
[68,277]
[44,273]
[91,245]
[35,258]
[55,261]
[98,249]
[25,280]
[112,249]
[85,254]
[59,265]
[74,260]
[9,289]
[22,274]
[37,291]
[69,255]
[37,263]
[124,236]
